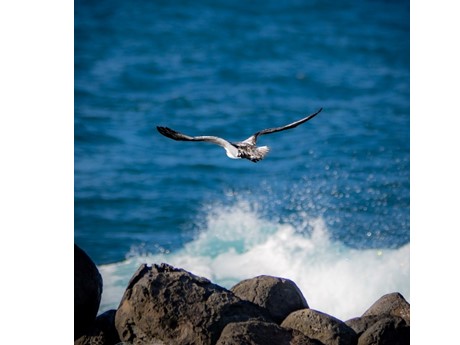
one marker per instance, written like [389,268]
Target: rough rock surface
[173,306]
[103,331]
[361,324]
[279,296]
[320,326]
[87,292]
[390,304]
[262,333]
[164,305]
[388,330]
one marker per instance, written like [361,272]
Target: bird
[246,149]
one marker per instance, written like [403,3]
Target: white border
[36,183]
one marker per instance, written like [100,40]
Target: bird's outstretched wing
[231,150]
[253,138]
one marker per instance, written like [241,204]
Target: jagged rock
[103,331]
[262,333]
[388,330]
[87,292]
[320,326]
[278,295]
[170,305]
[390,304]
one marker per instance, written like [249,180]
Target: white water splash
[236,243]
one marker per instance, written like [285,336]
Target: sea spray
[236,243]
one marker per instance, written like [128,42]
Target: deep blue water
[231,68]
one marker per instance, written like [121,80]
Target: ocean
[327,208]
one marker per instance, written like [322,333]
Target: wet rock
[262,333]
[390,304]
[102,333]
[278,295]
[320,326]
[87,292]
[173,306]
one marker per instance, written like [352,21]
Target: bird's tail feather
[263,150]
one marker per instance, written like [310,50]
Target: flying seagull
[243,149]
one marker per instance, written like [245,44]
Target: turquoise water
[328,207]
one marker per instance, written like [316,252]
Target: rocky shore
[167,305]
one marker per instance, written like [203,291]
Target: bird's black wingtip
[314,114]
[163,130]
[168,132]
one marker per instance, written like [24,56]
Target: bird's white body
[231,154]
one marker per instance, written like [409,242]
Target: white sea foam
[236,243]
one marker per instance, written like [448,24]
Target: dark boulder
[278,295]
[385,322]
[170,305]
[361,324]
[388,330]
[390,304]
[103,331]
[320,326]
[87,292]
[262,333]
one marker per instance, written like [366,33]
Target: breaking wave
[236,242]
